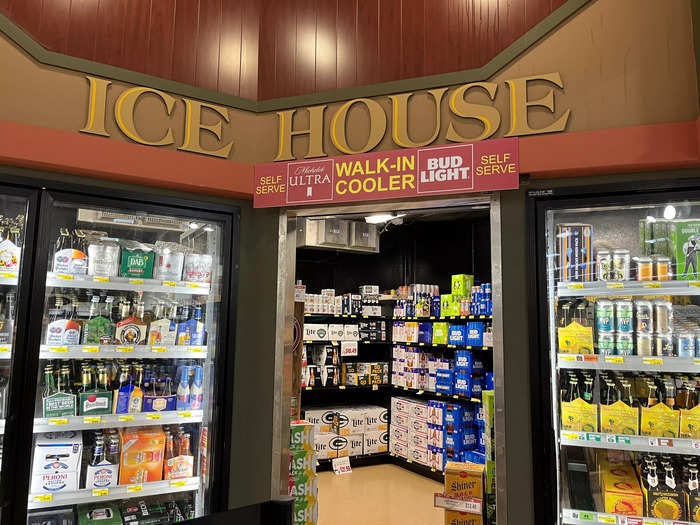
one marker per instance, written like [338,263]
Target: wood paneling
[263,49]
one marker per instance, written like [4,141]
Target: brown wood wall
[263,49]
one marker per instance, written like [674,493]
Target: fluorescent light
[208,229]
[651,219]
[194,225]
[669,212]
[382,217]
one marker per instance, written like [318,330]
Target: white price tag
[91,349]
[348,348]
[611,438]
[100,492]
[653,442]
[695,445]
[606,518]
[92,420]
[454,503]
[342,466]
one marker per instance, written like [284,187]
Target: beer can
[644,343]
[604,265]
[606,343]
[198,268]
[486,288]
[620,265]
[605,315]
[624,315]
[644,313]
[663,316]
[624,343]
[663,345]
[103,259]
[645,269]
[662,268]
[685,344]
[169,265]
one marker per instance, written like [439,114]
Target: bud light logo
[339,443]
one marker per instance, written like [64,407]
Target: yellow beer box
[575,339]
[690,423]
[579,416]
[621,491]
[464,480]
[462,518]
[619,418]
[660,421]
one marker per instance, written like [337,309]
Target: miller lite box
[57,461]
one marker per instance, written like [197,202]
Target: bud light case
[457,335]
[463,384]
[425,333]
[464,361]
[470,439]
[475,334]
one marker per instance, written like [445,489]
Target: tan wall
[623,63]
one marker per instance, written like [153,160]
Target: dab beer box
[579,416]
[619,418]
[690,423]
[575,252]
[660,421]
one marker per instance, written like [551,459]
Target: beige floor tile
[377,495]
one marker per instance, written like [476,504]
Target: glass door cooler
[619,304]
[128,314]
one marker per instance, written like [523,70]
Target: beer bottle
[670,394]
[49,381]
[169,448]
[573,392]
[610,393]
[670,477]
[588,391]
[652,398]
[627,394]
[693,488]
[86,381]
[652,477]
[98,455]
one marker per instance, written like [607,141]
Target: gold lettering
[400,127]
[487,115]
[97,107]
[315,132]
[124,113]
[194,127]
[519,105]
[377,126]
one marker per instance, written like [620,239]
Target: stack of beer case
[302,473]
[464,480]
[349,431]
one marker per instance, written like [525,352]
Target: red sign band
[490,165]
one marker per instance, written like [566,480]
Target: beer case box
[398,448]
[321,420]
[178,467]
[336,332]
[436,458]
[464,480]
[376,442]
[306,512]
[453,517]
[301,435]
[102,476]
[376,419]
[411,332]
[99,514]
[660,421]
[579,416]
[400,405]
[302,462]
[419,410]
[316,332]
[619,418]
[418,440]
[351,332]
[425,333]
[440,333]
[400,420]
[141,455]
[435,412]
[51,474]
[357,419]
[54,516]
[356,444]
[322,446]
[575,252]
[143,512]
[693,507]
[462,284]
[490,470]
[399,433]
[305,488]
[575,339]
[436,436]
[371,310]
[684,236]
[663,503]
[457,335]
[137,263]
[690,423]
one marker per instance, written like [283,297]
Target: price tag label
[184,414]
[439,394]
[99,279]
[432,470]
[100,492]
[615,286]
[667,443]
[43,497]
[159,349]
[586,516]
[168,283]
[594,437]
[570,435]
[694,284]
[653,442]
[341,387]
[695,445]
[125,349]
[8,275]
[421,392]
[4,348]
[567,357]
[348,348]
[62,421]
[375,387]
[652,285]
[178,483]
[405,388]
[611,438]
[575,286]
[197,349]
[126,418]
[341,466]
[192,285]
[134,488]
[696,361]
[652,361]
[409,461]
[623,440]
[153,416]
[58,349]
[135,281]
[605,518]
[64,277]
[92,420]
[91,349]
[614,359]
[648,521]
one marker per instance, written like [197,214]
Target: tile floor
[378,495]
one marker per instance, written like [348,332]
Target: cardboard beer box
[376,442]
[302,463]
[400,405]
[57,462]
[322,419]
[411,332]
[316,332]
[418,454]
[306,512]
[301,436]
[322,446]
[400,420]
[99,514]
[357,419]
[462,284]
[464,480]
[376,419]
[690,423]
[579,416]
[440,332]
[356,444]
[684,235]
[575,252]
[305,488]
[336,332]
[619,418]
[141,455]
[660,421]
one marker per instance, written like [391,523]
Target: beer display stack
[125,374]
[626,354]
[303,484]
